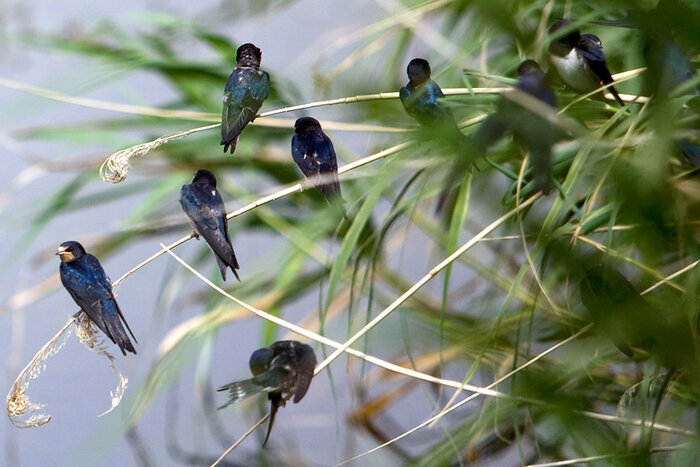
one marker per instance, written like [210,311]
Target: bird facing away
[283,370]
[245,91]
[533,133]
[313,152]
[85,280]
[420,98]
[205,210]
[579,60]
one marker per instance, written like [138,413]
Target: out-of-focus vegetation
[623,219]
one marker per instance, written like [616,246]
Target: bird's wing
[305,159]
[305,367]
[88,281]
[90,288]
[595,59]
[245,93]
[537,87]
[204,206]
[328,167]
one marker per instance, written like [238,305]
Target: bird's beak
[64,254]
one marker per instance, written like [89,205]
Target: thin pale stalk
[425,279]
[242,438]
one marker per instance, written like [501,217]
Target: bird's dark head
[418,70]
[305,125]
[204,177]
[590,41]
[568,41]
[529,67]
[248,55]
[260,360]
[70,251]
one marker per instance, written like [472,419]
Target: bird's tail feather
[232,263]
[275,402]
[113,323]
[230,144]
[239,390]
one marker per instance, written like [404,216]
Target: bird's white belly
[574,72]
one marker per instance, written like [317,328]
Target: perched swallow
[532,132]
[579,60]
[313,152]
[283,370]
[85,280]
[246,89]
[420,97]
[205,210]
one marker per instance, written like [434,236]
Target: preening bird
[282,370]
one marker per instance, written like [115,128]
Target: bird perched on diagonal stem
[206,213]
[85,280]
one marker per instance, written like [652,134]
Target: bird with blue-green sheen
[246,89]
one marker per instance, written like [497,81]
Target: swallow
[421,100]
[535,134]
[246,89]
[206,213]
[283,370]
[85,280]
[313,152]
[529,130]
[579,60]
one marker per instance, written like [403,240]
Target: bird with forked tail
[206,213]
[283,370]
[579,60]
[85,280]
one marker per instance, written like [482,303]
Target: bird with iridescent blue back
[421,100]
[85,280]
[283,370]
[579,60]
[246,89]
[206,213]
[312,151]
